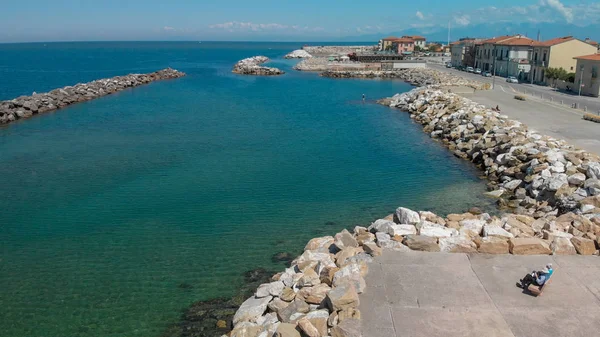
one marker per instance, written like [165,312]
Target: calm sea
[108,206]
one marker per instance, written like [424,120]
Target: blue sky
[76,20]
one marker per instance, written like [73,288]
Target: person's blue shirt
[541,279]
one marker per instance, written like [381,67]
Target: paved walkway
[437,294]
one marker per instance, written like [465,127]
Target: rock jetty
[252,66]
[417,77]
[313,64]
[298,54]
[318,295]
[27,106]
[337,50]
[532,174]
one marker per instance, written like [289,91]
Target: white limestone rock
[407,216]
[251,309]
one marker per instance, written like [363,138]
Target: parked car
[470,69]
[486,74]
[477,71]
[448,65]
[512,79]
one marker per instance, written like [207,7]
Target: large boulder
[347,328]
[321,244]
[584,246]
[342,297]
[457,244]
[381,225]
[471,227]
[251,309]
[434,230]
[351,273]
[317,294]
[287,330]
[287,314]
[422,243]
[497,231]
[372,249]
[406,216]
[562,246]
[529,246]
[319,320]
[308,328]
[492,245]
[402,230]
[344,239]
[269,289]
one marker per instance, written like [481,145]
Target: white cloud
[566,12]
[420,15]
[167,28]
[462,20]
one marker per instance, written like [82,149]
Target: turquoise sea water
[108,206]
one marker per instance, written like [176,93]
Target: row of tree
[559,74]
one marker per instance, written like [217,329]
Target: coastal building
[558,53]
[586,75]
[507,55]
[386,43]
[404,45]
[420,41]
[462,52]
[513,57]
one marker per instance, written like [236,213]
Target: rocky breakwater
[298,54]
[530,173]
[416,76]
[252,66]
[337,50]
[27,106]
[317,295]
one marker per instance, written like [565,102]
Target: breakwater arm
[252,66]
[27,106]
[417,77]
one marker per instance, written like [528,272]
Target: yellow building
[387,43]
[558,53]
[587,74]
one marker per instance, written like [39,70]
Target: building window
[594,71]
[544,58]
[571,68]
[507,53]
[535,58]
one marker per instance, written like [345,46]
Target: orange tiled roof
[497,39]
[415,37]
[592,42]
[517,41]
[555,41]
[592,57]
[404,40]
[389,38]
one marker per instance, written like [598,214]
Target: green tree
[570,77]
[556,74]
[418,49]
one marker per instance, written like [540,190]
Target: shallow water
[109,206]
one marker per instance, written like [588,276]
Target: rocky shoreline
[417,77]
[551,189]
[252,66]
[27,106]
[298,54]
[337,50]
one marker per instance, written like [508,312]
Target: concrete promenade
[459,295]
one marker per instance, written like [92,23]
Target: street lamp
[494,69]
[580,79]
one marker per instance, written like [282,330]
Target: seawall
[27,106]
[550,189]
